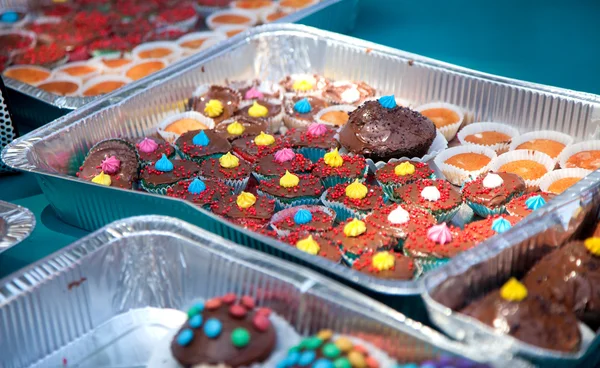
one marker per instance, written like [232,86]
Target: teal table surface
[550,42]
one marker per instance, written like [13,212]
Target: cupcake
[303,84]
[490,193]
[200,145]
[257,90]
[292,190]
[300,111]
[269,111]
[558,181]
[386,265]
[253,148]
[531,166]
[194,42]
[103,84]
[584,155]
[295,5]
[515,311]
[165,50]
[29,74]
[61,85]
[438,197]
[216,102]
[151,149]
[177,124]
[447,117]
[245,209]
[524,205]
[314,245]
[313,141]
[545,141]
[463,163]
[276,164]
[398,173]
[164,174]
[228,169]
[112,162]
[495,136]
[231,17]
[83,70]
[355,200]
[399,220]
[356,237]
[337,115]
[142,68]
[202,193]
[303,219]
[238,127]
[348,93]
[491,226]
[334,169]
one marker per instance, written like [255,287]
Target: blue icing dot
[185,337]
[389,102]
[196,321]
[302,106]
[163,164]
[212,328]
[293,357]
[303,217]
[201,139]
[501,225]
[197,186]
[323,363]
[9,17]
[306,358]
[535,202]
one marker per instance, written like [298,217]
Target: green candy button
[311,343]
[240,337]
[342,363]
[331,351]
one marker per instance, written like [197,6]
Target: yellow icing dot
[405,168]
[102,179]
[344,344]
[257,110]
[593,245]
[384,261]
[355,228]
[235,128]
[356,190]
[333,158]
[325,335]
[357,359]
[513,291]
[302,85]
[308,245]
[245,200]
[289,180]
[229,161]
[264,139]
[213,108]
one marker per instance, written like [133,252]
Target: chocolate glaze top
[371,240]
[230,99]
[373,199]
[288,82]
[211,168]
[316,104]
[309,186]
[123,151]
[353,167]
[163,148]
[245,86]
[272,108]
[216,143]
[182,169]
[449,196]
[251,151]
[263,208]
[512,185]
[327,249]
[387,175]
[214,191]
[483,228]
[533,320]
[419,219]
[382,134]
[334,92]
[300,138]
[404,268]
[418,244]
[252,128]
[518,207]
[269,166]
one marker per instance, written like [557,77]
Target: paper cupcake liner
[445,216]
[486,127]
[345,108]
[313,154]
[284,203]
[136,63]
[291,9]
[576,148]
[100,79]
[291,122]
[176,51]
[184,25]
[252,18]
[106,70]
[318,81]
[159,189]
[449,131]
[60,71]
[542,134]
[258,12]
[274,122]
[332,181]
[196,159]
[389,189]
[172,137]
[238,185]
[343,212]
[536,156]
[204,88]
[555,175]
[439,144]
[144,164]
[260,177]
[266,87]
[232,30]
[428,264]
[485,211]
[211,38]
[459,176]
[64,78]
[36,67]
[464,216]
[289,212]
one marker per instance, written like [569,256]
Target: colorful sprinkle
[240,337]
[201,139]
[389,102]
[213,304]
[303,217]
[323,363]
[237,311]
[196,321]
[331,351]
[163,164]
[212,328]
[185,337]
[261,323]
[195,309]
[306,358]
[342,363]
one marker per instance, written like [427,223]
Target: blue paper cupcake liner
[332,181]
[199,159]
[388,189]
[313,154]
[281,204]
[446,216]
[343,212]
[484,211]
[426,264]
[161,189]
[261,177]
[238,185]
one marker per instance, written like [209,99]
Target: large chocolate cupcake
[112,162]
[381,130]
[216,102]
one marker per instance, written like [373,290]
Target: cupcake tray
[271,52]
[18,223]
[109,298]
[486,268]
[37,107]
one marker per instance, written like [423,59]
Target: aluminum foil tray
[18,223]
[271,52]
[473,274]
[36,107]
[106,300]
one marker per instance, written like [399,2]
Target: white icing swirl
[351,95]
[398,216]
[492,181]
[431,193]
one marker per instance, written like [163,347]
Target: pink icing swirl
[253,93]
[439,234]
[284,155]
[110,165]
[317,130]
[147,145]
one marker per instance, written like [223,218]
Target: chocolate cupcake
[334,169]
[314,245]
[292,190]
[386,265]
[300,111]
[399,220]
[151,149]
[348,93]
[524,205]
[491,226]
[228,169]
[275,165]
[438,197]
[398,173]
[200,145]
[269,111]
[164,174]
[239,127]
[490,193]
[245,209]
[381,130]
[202,193]
[112,162]
[314,141]
[304,84]
[257,90]
[253,148]
[216,102]
[528,317]
[355,200]
[303,219]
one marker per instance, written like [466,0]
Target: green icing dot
[295,349]
[342,363]
[331,351]
[311,343]
[240,337]
[193,311]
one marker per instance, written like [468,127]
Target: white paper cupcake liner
[449,131]
[292,9]
[439,144]
[176,51]
[252,18]
[238,185]
[281,204]
[231,31]
[112,70]
[36,67]
[345,108]
[264,18]
[555,175]
[136,63]
[576,148]
[459,176]
[542,134]
[172,137]
[274,122]
[318,81]
[64,78]
[290,212]
[259,12]
[183,25]
[100,79]
[287,337]
[61,70]
[488,127]
[517,155]
[210,38]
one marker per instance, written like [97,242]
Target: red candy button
[213,304]
[238,311]
[261,322]
[248,302]
[229,298]
[264,311]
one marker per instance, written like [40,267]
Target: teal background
[549,42]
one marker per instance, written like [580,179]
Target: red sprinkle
[213,304]
[248,302]
[261,322]
[238,311]
[229,298]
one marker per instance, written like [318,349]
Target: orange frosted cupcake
[175,125]
[144,68]
[103,84]
[584,155]
[29,74]
[61,85]
[337,115]
[295,5]
[558,181]
[447,117]
[231,17]
[164,50]
[83,70]
[531,166]
[491,135]
[462,163]
[546,141]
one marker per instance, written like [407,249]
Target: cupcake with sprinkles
[354,200]
[269,111]
[301,111]
[348,93]
[164,174]
[257,89]
[314,141]
[216,102]
[386,265]
[399,220]
[253,148]
[239,127]
[524,205]
[490,193]
[112,162]
[200,145]
[202,193]
[438,197]
[492,225]
[275,165]
[245,209]
[151,149]
[393,175]
[304,84]
[228,169]
[334,169]
[314,245]
[309,219]
[292,190]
